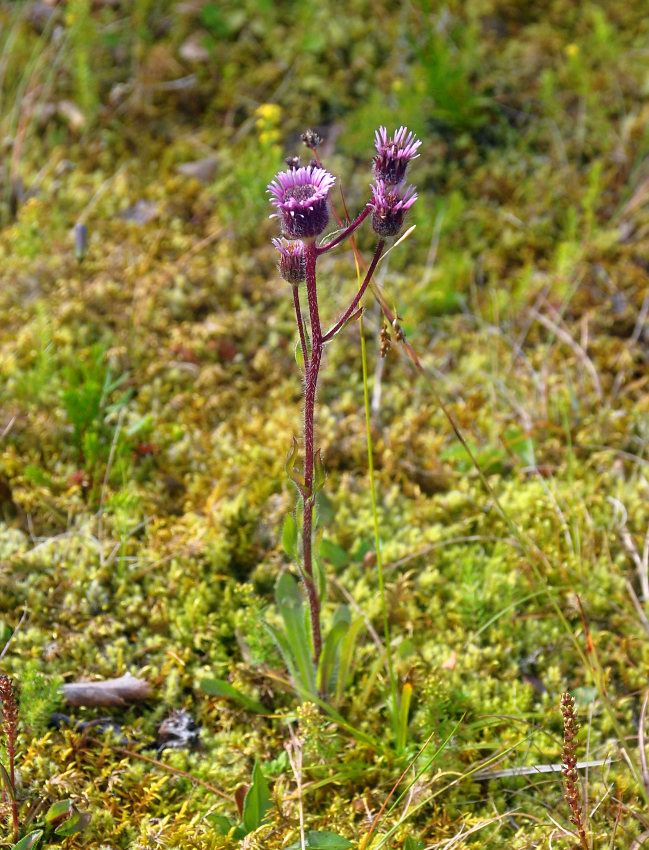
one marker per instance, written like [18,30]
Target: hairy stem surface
[311,385]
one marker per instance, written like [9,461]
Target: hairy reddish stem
[345,233]
[300,326]
[311,384]
[312,364]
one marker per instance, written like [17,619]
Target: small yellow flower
[571,50]
[268,115]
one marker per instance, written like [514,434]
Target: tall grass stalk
[394,705]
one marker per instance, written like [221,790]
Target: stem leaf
[289,537]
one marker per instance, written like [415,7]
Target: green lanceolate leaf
[75,823]
[319,570]
[404,712]
[29,841]
[219,688]
[6,781]
[257,801]
[320,578]
[329,657]
[290,467]
[333,553]
[284,647]
[299,355]
[290,605]
[58,810]
[289,537]
[319,474]
[347,647]
[220,823]
[322,840]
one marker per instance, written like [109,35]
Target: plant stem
[311,384]
[311,371]
[348,312]
[300,326]
[377,537]
[345,233]
[9,735]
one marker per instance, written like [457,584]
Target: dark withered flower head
[292,162]
[311,139]
[389,206]
[394,154]
[292,264]
[300,196]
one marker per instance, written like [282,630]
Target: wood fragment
[120,691]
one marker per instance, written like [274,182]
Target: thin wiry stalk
[377,539]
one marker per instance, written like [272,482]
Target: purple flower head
[394,154]
[292,264]
[300,196]
[389,206]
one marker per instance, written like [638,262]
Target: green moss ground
[141,526]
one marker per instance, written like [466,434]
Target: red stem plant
[569,769]
[8,737]
[301,197]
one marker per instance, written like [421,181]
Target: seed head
[300,196]
[389,206]
[292,265]
[311,139]
[569,767]
[9,719]
[394,154]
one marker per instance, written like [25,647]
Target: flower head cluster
[394,154]
[391,199]
[300,196]
[292,264]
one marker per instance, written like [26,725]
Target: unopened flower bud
[292,265]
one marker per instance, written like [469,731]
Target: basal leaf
[29,841]
[290,604]
[6,781]
[220,688]
[322,840]
[58,810]
[75,823]
[257,801]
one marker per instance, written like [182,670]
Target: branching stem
[345,233]
[368,277]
